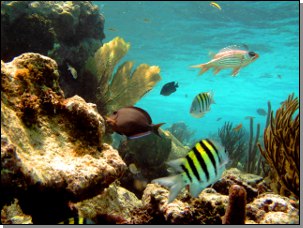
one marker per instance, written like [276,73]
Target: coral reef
[70,30]
[114,206]
[281,142]
[235,212]
[57,156]
[125,87]
[206,209]
[67,31]
[13,214]
[182,133]
[211,205]
[272,209]
[149,154]
[233,142]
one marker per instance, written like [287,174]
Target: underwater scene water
[119,112]
[176,35]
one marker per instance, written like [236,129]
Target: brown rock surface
[50,143]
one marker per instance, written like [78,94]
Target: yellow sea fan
[124,88]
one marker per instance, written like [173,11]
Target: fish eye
[251,54]
[115,112]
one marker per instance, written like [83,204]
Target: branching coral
[125,87]
[181,131]
[233,141]
[281,142]
[251,165]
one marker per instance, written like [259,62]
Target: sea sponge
[125,87]
[235,212]
[281,142]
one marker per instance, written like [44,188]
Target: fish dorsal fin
[234,47]
[211,54]
[142,111]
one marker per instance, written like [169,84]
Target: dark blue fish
[169,88]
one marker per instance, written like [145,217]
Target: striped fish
[201,104]
[77,220]
[229,57]
[202,166]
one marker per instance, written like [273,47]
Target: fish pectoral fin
[176,164]
[216,70]
[235,71]
[175,183]
[196,188]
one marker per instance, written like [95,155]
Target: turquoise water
[175,35]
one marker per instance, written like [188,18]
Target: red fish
[133,122]
[229,57]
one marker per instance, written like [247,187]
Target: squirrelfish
[230,57]
[201,104]
[237,128]
[202,166]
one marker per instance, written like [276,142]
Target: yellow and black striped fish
[77,220]
[202,166]
[201,104]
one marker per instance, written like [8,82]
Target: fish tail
[155,128]
[175,183]
[204,67]
[211,93]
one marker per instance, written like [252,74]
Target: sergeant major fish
[77,220]
[201,104]
[202,166]
[229,57]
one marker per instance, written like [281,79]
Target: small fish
[261,112]
[237,128]
[219,118]
[169,88]
[216,5]
[77,220]
[229,57]
[201,104]
[112,29]
[202,166]
[133,122]
[146,20]
[73,71]
[133,169]
[279,76]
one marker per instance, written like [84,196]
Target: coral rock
[272,209]
[234,176]
[61,148]
[13,214]
[70,30]
[114,206]
[206,209]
